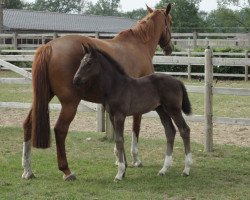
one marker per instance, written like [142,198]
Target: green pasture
[221,175]
[223,104]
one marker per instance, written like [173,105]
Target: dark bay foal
[124,96]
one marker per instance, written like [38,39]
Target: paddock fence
[181,40]
[208,90]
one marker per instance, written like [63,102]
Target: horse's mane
[144,29]
[112,62]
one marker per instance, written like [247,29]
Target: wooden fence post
[246,67]
[208,102]
[14,40]
[189,66]
[195,36]
[100,110]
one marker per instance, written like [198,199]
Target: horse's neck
[155,31]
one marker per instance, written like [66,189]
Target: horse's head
[165,38]
[89,66]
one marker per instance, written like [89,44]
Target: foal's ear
[168,8]
[150,10]
[85,49]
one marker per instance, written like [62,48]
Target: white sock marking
[26,160]
[188,163]
[134,151]
[167,164]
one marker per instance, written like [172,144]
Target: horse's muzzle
[168,49]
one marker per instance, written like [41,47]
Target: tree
[104,7]
[13,4]
[185,15]
[63,6]
[240,3]
[136,14]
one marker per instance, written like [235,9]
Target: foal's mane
[114,64]
[144,29]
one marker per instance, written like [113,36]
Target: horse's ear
[85,49]
[168,8]
[150,10]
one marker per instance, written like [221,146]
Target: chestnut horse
[55,65]
[125,96]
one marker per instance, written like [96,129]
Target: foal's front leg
[119,140]
[136,162]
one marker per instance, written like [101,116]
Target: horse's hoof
[137,164]
[27,175]
[70,177]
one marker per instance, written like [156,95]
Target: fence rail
[183,40]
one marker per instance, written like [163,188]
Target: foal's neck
[112,77]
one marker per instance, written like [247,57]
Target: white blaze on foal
[26,160]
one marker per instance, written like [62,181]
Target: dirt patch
[150,127]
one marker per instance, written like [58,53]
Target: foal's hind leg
[61,129]
[26,157]
[134,143]
[170,134]
[185,134]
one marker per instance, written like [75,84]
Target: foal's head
[89,66]
[165,39]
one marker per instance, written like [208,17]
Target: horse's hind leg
[170,134]
[61,129]
[134,143]
[185,134]
[26,157]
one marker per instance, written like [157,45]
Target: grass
[223,174]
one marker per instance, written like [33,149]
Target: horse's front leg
[119,141]
[26,157]
[61,129]
[136,162]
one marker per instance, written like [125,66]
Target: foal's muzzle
[77,81]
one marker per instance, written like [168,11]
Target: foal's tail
[186,105]
[41,98]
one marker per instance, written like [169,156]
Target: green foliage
[104,7]
[13,4]
[184,14]
[63,6]
[136,14]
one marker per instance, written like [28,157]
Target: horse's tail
[41,98]
[186,105]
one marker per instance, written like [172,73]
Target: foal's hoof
[161,173]
[27,175]
[137,164]
[70,177]
[184,174]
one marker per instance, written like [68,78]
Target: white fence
[208,89]
[183,40]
